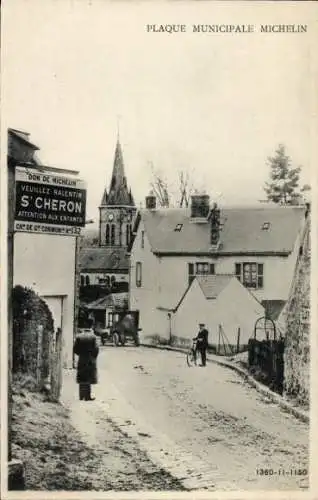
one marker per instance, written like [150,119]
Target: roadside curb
[273,396]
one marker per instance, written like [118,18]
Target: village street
[205,426]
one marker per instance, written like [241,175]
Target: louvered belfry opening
[200,206]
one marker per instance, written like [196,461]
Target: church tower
[117,209]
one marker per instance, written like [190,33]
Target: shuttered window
[251,274]
[199,268]
[191,274]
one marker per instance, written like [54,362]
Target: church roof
[118,193]
[101,259]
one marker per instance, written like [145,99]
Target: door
[55,303]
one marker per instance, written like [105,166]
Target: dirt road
[205,426]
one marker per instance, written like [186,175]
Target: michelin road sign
[49,203]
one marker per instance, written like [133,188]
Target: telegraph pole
[11,196]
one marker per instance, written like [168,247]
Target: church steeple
[118,191]
[117,208]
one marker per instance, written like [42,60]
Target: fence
[266,362]
[56,366]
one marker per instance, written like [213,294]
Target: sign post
[49,203]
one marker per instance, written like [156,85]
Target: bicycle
[192,354]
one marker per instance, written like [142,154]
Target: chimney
[150,202]
[200,206]
[214,225]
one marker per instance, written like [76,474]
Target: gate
[266,357]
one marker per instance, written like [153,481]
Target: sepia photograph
[158,190]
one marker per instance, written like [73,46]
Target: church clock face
[110,217]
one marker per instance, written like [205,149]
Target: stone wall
[297,327]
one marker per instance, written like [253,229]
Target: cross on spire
[118,127]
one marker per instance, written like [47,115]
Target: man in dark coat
[202,342]
[86,349]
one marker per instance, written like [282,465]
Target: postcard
[158,245]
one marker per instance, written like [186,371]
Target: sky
[215,105]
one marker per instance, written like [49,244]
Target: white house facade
[46,263]
[171,246]
[226,307]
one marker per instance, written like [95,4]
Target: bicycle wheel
[191,358]
[116,339]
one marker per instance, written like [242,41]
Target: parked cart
[123,327]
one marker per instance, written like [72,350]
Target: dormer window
[266,226]
[178,227]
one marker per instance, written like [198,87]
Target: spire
[104,198]
[118,193]
[118,175]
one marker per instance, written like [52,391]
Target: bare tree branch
[160,187]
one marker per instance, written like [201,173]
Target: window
[128,234]
[110,319]
[138,274]
[82,280]
[250,274]
[142,239]
[87,280]
[107,236]
[104,281]
[112,234]
[266,226]
[200,268]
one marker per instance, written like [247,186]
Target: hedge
[32,323]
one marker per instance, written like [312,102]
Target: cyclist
[202,342]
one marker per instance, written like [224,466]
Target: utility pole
[11,203]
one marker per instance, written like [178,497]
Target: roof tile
[213,285]
[241,230]
[103,258]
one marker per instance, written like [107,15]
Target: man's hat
[201,324]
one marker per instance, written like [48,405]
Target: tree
[166,194]
[284,180]
[159,187]
[185,189]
